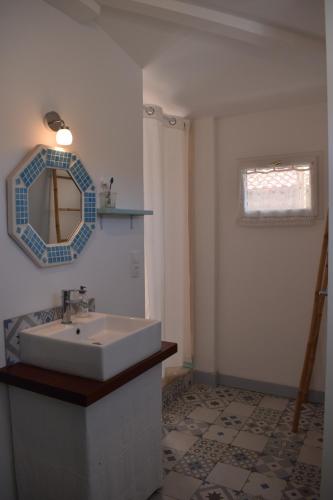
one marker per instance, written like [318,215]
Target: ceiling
[306,16]
[221,57]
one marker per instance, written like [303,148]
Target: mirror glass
[55,205]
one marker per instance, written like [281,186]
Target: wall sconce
[53,121]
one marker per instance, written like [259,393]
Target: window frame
[283,217]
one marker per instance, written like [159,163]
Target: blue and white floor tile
[195,465]
[208,491]
[231,421]
[249,397]
[171,457]
[225,444]
[267,487]
[191,426]
[241,457]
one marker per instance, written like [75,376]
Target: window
[279,191]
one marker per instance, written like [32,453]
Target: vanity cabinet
[79,439]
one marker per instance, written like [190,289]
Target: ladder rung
[67,178]
[69,209]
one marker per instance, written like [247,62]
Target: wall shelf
[121,212]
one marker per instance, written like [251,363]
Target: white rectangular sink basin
[96,347]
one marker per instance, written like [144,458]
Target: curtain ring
[150,111]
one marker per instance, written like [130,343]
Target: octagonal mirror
[51,206]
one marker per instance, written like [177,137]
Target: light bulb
[64,137]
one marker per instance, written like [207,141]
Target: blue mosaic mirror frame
[19,183]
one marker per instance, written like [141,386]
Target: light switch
[135,265]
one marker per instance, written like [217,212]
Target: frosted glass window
[283,192]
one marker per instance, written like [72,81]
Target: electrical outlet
[135,265]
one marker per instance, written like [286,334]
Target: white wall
[265,276]
[50,62]
[327,476]
[203,243]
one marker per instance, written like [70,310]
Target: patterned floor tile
[179,486]
[316,424]
[249,397]
[166,428]
[194,465]
[177,411]
[205,414]
[158,495]
[231,421]
[191,426]
[267,487]
[275,467]
[220,434]
[193,397]
[320,412]
[208,448]
[306,475]
[210,491]
[200,389]
[287,418]
[240,409]
[226,393]
[179,441]
[259,427]
[247,496]
[228,476]
[172,419]
[165,472]
[314,438]
[240,457]
[273,403]
[308,409]
[284,425]
[171,457]
[263,446]
[250,441]
[180,406]
[266,414]
[310,455]
[284,444]
[282,435]
[296,492]
[215,402]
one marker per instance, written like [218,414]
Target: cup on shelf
[112,199]
[108,199]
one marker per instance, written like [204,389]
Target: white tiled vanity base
[108,451]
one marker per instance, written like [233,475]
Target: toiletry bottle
[84,302]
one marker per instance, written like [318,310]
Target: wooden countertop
[78,390]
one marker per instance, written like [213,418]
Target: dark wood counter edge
[78,390]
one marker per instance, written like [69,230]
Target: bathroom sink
[97,347]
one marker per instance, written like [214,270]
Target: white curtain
[167,253]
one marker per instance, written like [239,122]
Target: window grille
[279,192]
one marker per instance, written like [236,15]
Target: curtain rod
[154,111]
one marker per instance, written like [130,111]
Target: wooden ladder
[57,209]
[317,313]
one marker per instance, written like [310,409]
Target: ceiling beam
[215,22]
[82,11]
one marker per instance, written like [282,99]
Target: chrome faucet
[67,303]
